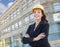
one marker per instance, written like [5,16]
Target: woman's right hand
[40,36]
[27,36]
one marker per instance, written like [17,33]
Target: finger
[43,33]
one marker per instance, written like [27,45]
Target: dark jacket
[43,27]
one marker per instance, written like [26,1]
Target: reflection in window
[5,30]
[56,6]
[8,42]
[24,5]
[18,12]
[8,29]
[5,21]
[16,25]
[32,16]
[20,23]
[29,2]
[13,27]
[11,16]
[53,28]
[14,14]
[27,19]
[56,17]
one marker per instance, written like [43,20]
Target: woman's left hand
[27,36]
[40,36]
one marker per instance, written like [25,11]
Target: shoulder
[45,24]
[31,25]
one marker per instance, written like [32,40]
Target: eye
[34,11]
[39,12]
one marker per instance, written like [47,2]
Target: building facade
[15,21]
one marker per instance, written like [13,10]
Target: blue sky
[5,4]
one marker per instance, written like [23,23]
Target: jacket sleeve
[45,29]
[27,40]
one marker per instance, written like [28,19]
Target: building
[15,21]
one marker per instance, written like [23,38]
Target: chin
[37,18]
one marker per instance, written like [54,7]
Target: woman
[37,33]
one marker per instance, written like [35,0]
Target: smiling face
[37,14]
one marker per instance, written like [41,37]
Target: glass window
[24,5]
[56,6]
[7,42]
[32,16]
[27,19]
[54,32]
[9,29]
[20,23]
[29,2]
[11,16]
[4,30]
[53,28]
[16,25]
[56,17]
[14,13]
[5,21]
[13,27]
[35,1]
[42,1]
[18,11]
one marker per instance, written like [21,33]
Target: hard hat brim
[36,8]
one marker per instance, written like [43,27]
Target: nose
[36,13]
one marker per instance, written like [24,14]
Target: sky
[4,5]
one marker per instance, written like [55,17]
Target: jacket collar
[41,22]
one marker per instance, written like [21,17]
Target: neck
[37,21]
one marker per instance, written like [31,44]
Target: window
[11,16]
[32,16]
[13,27]
[56,17]
[35,1]
[18,11]
[4,30]
[14,13]
[9,29]
[56,6]
[5,21]
[42,1]
[30,3]
[27,19]
[53,28]
[16,25]
[20,23]
[24,5]
[54,32]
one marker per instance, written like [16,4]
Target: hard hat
[37,6]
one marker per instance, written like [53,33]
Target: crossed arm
[40,36]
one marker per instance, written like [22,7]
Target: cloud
[9,4]
[2,8]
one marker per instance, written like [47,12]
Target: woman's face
[37,14]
